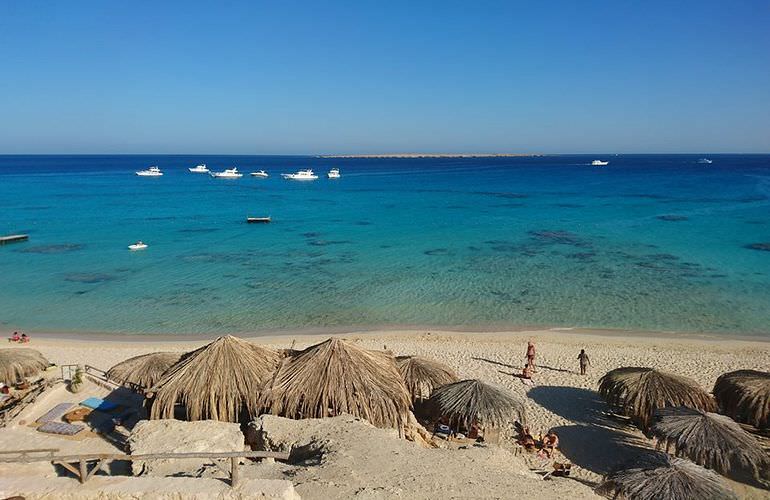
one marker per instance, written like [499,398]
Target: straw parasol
[143,371]
[335,377]
[16,364]
[657,476]
[711,440]
[219,381]
[641,391]
[470,401]
[422,376]
[745,396]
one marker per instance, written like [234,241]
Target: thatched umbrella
[657,476]
[711,440]
[336,377]
[219,381]
[17,364]
[422,376]
[471,401]
[745,396]
[143,371]
[638,392]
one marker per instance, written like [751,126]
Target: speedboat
[599,163]
[333,173]
[706,161]
[260,173]
[230,173]
[150,172]
[199,169]
[137,246]
[302,175]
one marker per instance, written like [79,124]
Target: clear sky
[361,76]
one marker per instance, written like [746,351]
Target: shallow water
[649,242]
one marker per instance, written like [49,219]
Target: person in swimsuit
[583,360]
[531,355]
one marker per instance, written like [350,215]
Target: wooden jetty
[258,220]
[13,238]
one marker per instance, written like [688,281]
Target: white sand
[560,399]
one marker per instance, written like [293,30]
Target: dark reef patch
[765,247]
[437,251]
[363,223]
[558,238]
[311,235]
[568,205]
[324,243]
[51,249]
[89,278]
[672,218]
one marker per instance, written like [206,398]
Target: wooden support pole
[69,467]
[83,470]
[234,472]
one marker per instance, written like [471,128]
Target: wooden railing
[84,471]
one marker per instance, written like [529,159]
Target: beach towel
[98,404]
[60,428]
[55,413]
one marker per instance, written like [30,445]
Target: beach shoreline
[317,332]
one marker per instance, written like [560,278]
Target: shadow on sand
[594,442]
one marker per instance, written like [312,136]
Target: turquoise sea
[650,242]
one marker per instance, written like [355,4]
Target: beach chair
[98,404]
[60,428]
[55,413]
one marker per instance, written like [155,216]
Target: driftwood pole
[234,472]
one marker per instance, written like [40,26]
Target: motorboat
[258,220]
[259,173]
[599,163]
[139,245]
[302,175]
[150,172]
[333,173]
[199,169]
[705,161]
[230,173]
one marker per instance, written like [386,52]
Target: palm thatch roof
[711,440]
[657,476]
[470,401]
[17,364]
[219,381]
[335,377]
[143,371]
[639,392]
[745,396]
[422,375]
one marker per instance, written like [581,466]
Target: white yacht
[230,173]
[139,245]
[199,169]
[259,173]
[150,172]
[333,173]
[302,175]
[706,161]
[599,163]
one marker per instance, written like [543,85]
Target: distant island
[432,155]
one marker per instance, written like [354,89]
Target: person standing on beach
[583,360]
[531,355]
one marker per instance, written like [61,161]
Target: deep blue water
[650,242]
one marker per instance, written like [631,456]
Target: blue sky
[370,76]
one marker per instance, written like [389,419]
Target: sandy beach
[560,399]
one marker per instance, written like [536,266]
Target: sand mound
[345,457]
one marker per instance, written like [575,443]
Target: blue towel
[55,413]
[98,404]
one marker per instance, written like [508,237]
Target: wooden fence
[85,470]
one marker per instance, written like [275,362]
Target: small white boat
[599,163]
[302,175]
[259,173]
[333,173]
[150,172]
[230,173]
[137,246]
[199,169]
[705,161]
